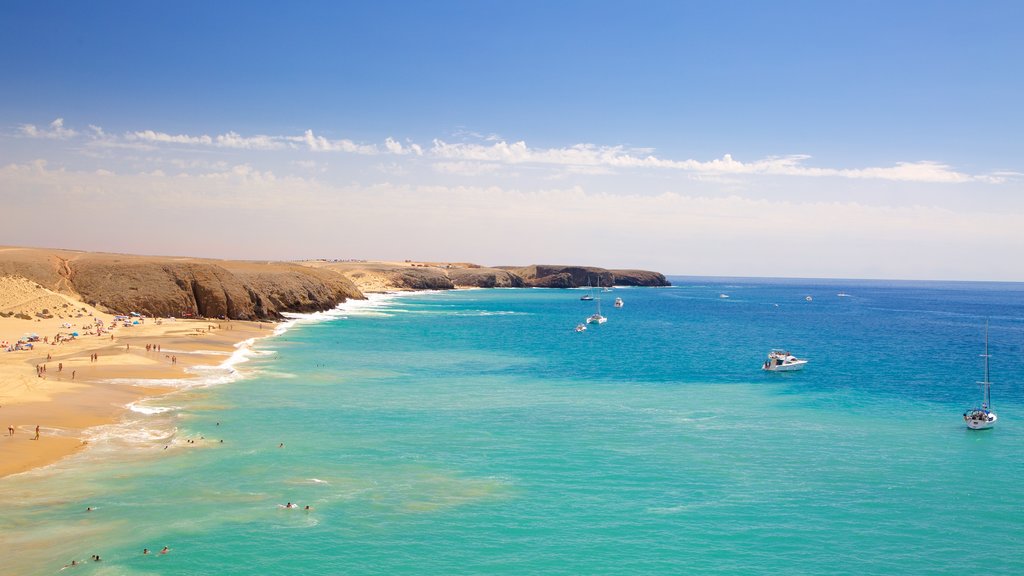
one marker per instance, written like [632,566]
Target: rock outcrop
[639,278]
[547,276]
[484,278]
[183,287]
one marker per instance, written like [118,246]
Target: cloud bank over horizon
[497,201]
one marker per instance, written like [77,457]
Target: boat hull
[791,367]
[980,423]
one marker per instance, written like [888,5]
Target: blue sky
[904,114]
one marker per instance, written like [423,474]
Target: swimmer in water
[308,508]
[89,509]
[165,550]
[145,551]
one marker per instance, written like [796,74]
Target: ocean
[475,432]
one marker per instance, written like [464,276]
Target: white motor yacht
[782,361]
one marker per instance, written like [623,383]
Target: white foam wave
[129,433]
[148,410]
[200,352]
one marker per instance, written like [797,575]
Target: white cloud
[259,142]
[487,154]
[164,138]
[583,158]
[321,144]
[395,147]
[714,234]
[56,131]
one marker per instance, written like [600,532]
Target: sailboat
[590,288]
[596,317]
[982,418]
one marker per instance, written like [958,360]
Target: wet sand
[64,407]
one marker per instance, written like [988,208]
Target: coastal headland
[83,335]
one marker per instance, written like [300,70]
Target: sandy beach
[76,392]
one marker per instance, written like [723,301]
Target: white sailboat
[590,290]
[982,418]
[596,317]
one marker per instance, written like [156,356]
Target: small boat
[782,361]
[581,327]
[723,295]
[618,303]
[982,418]
[590,289]
[808,298]
[843,295]
[596,317]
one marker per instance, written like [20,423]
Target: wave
[149,410]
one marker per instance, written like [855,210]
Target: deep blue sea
[475,432]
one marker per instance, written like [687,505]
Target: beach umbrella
[74,333]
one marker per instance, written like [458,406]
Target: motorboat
[808,298]
[618,303]
[982,418]
[723,295]
[782,361]
[581,327]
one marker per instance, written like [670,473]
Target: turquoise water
[475,433]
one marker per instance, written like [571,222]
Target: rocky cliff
[549,276]
[164,286]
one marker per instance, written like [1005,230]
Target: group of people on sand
[10,431]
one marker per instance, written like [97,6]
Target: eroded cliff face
[549,276]
[182,287]
[639,278]
[484,278]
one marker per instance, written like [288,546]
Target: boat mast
[987,386]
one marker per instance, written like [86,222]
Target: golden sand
[74,392]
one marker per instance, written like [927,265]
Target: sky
[801,139]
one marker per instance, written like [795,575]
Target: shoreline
[105,392]
[67,404]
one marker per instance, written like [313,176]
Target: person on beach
[73,374]
[37,433]
[10,430]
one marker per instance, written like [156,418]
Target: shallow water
[475,432]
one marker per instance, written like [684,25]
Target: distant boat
[782,361]
[723,295]
[596,317]
[581,327]
[982,418]
[618,303]
[843,295]
[808,298]
[590,289]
